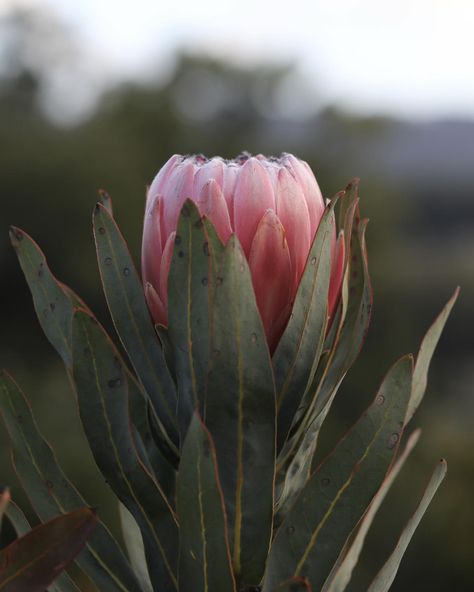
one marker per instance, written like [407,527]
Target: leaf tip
[16,235]
[353,184]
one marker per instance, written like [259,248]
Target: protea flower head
[273,205]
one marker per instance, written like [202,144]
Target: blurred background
[100,94]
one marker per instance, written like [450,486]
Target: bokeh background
[99,95]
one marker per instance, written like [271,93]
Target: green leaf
[204,554]
[299,349]
[50,492]
[52,304]
[428,345]
[32,562]
[337,494]
[341,574]
[126,300]
[294,585]
[134,544]
[240,414]
[354,328]
[102,392]
[386,575]
[190,288]
[297,456]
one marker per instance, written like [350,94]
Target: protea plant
[254,303]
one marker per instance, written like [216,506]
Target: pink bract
[273,205]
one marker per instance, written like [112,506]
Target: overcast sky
[408,57]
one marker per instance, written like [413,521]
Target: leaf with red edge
[296,458]
[32,562]
[297,355]
[126,300]
[240,415]
[204,555]
[53,305]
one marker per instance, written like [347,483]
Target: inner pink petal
[311,191]
[231,173]
[212,204]
[156,306]
[178,188]
[158,183]
[270,266]
[253,196]
[292,210]
[212,169]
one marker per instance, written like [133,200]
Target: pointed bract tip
[353,184]
[16,235]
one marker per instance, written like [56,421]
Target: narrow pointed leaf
[125,297]
[386,575]
[337,494]
[297,456]
[32,562]
[50,492]
[204,555]
[102,392]
[53,306]
[190,287]
[240,414]
[428,345]
[298,351]
[341,575]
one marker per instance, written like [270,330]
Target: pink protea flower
[273,205]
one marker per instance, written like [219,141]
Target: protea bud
[273,205]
